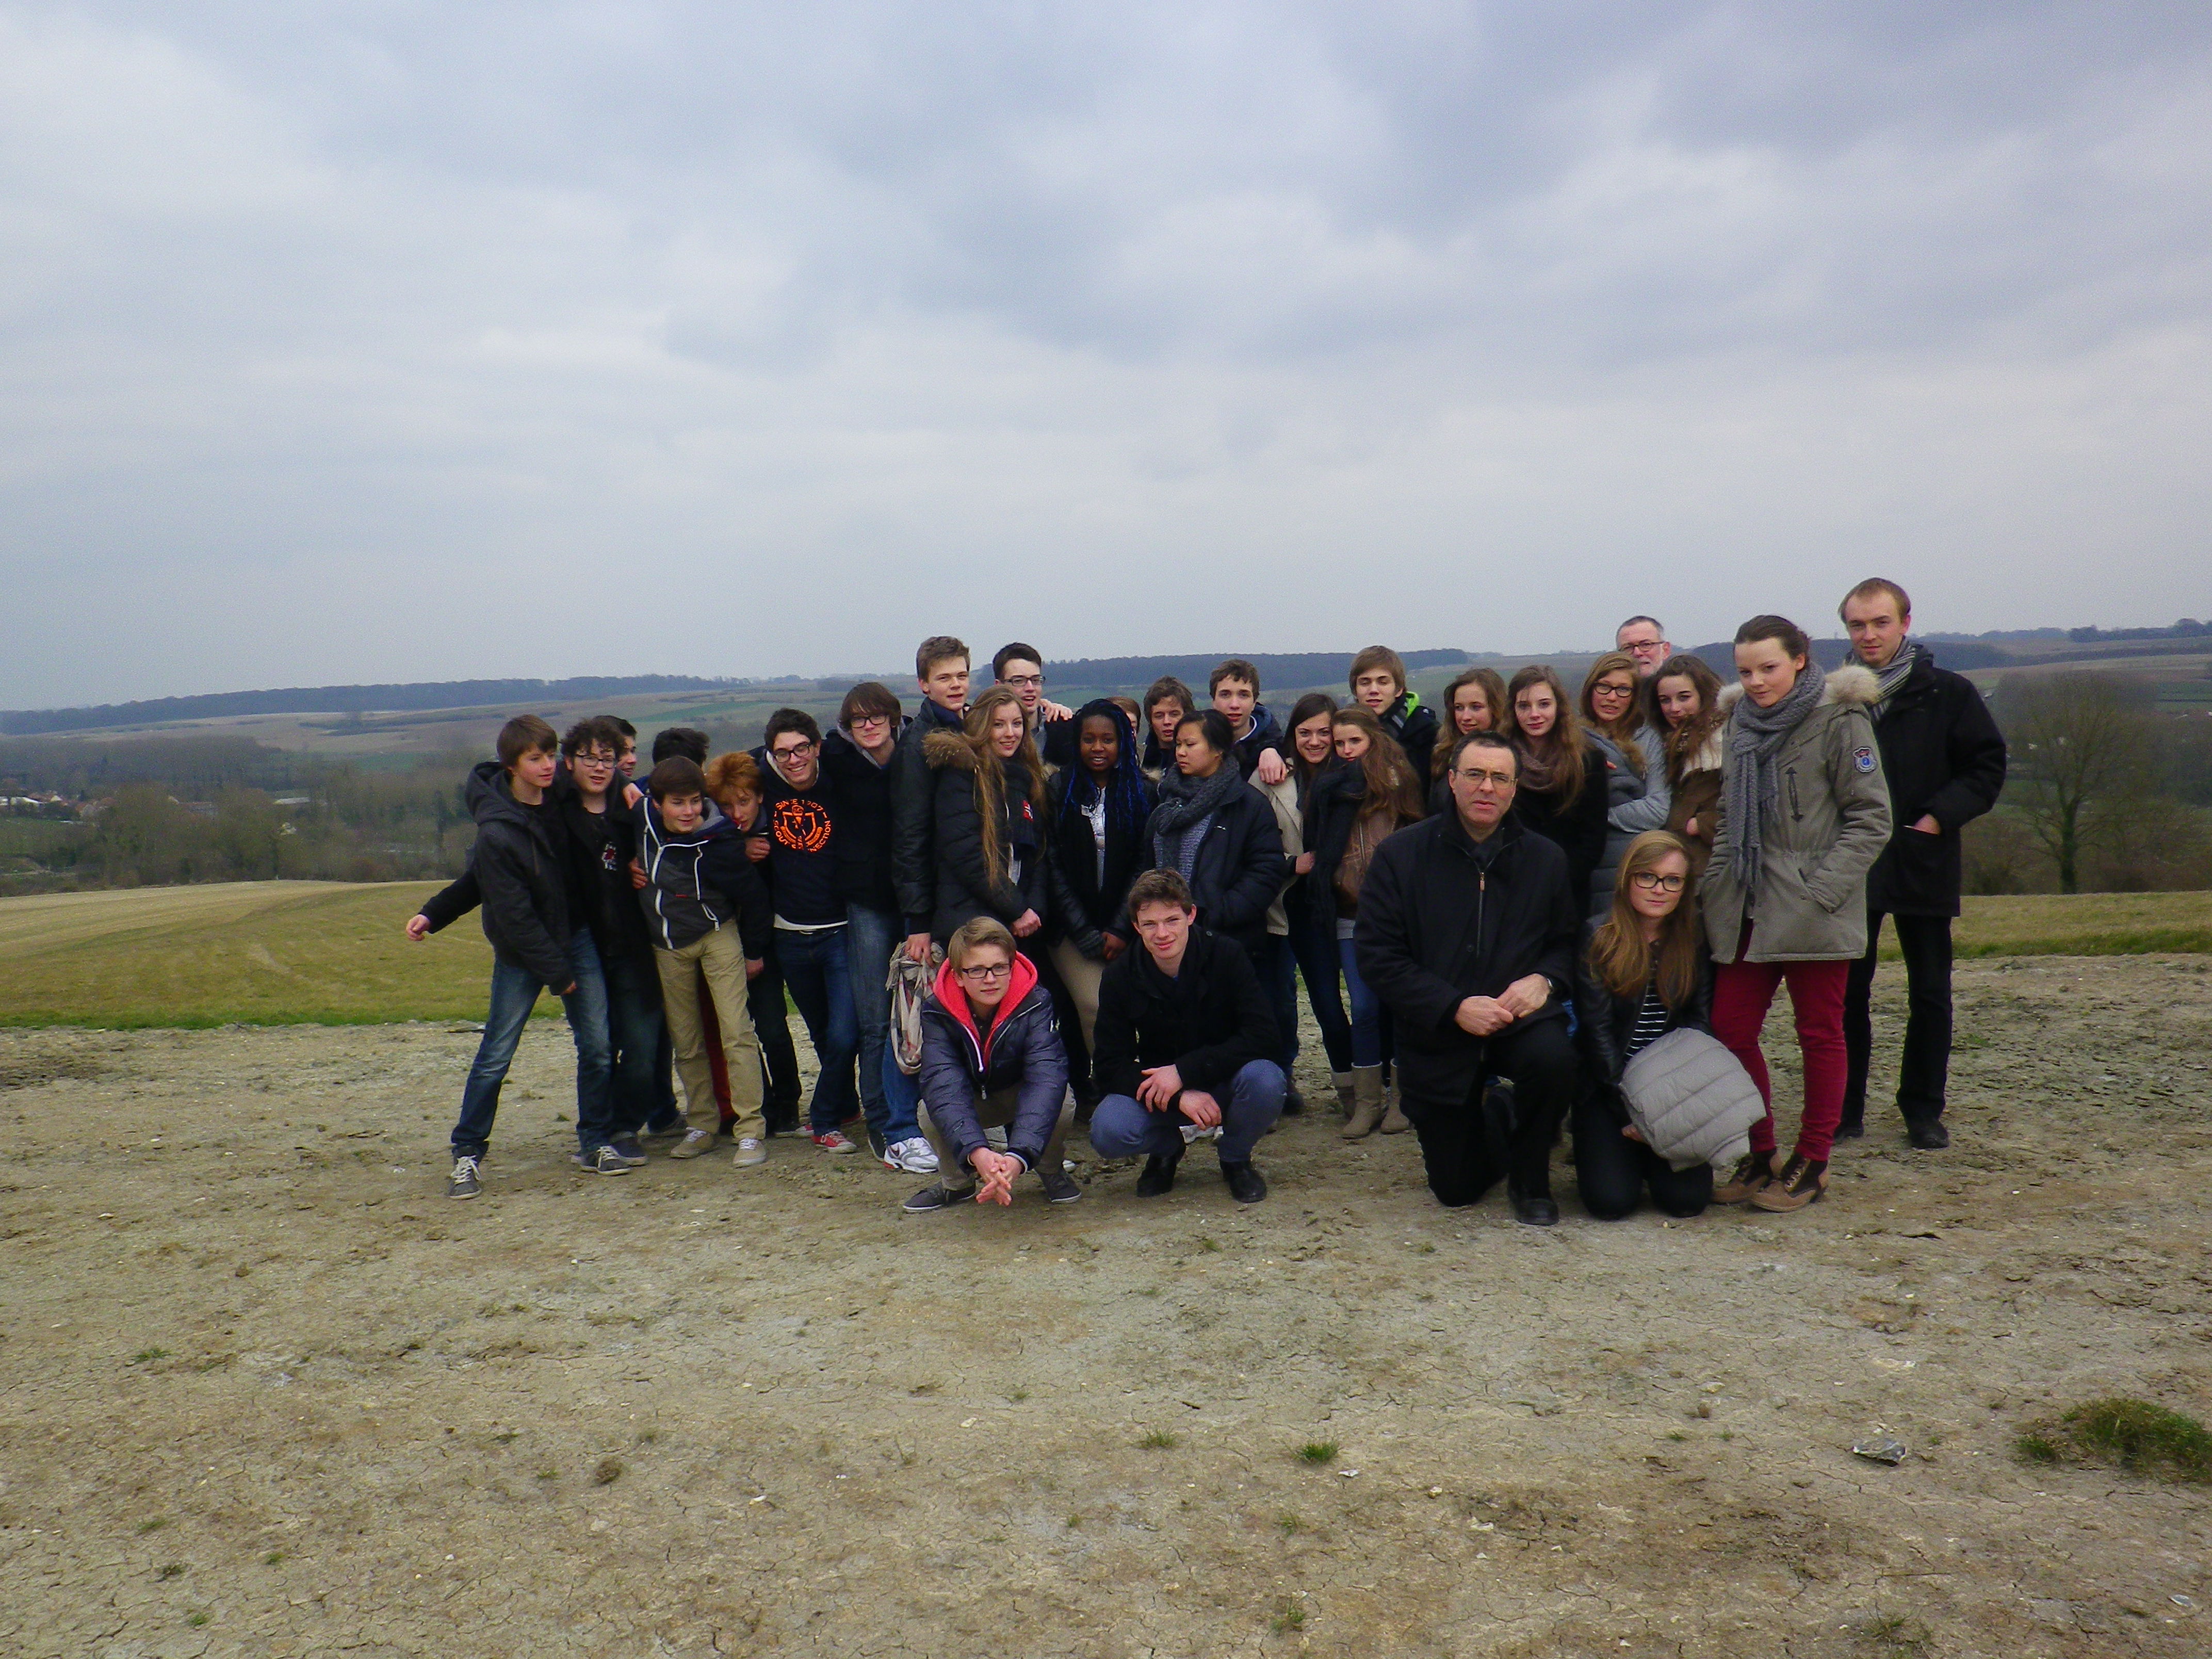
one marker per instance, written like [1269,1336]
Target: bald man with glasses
[1467,923]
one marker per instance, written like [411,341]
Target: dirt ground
[264,1391]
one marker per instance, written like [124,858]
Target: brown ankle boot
[1752,1171]
[1366,1102]
[1394,1121]
[1801,1182]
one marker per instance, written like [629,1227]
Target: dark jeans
[764,1002]
[1315,948]
[888,1096]
[1123,1127]
[819,973]
[635,1034]
[1924,1069]
[1278,977]
[514,993]
[1468,1146]
[1611,1171]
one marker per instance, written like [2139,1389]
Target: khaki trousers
[720,960]
[995,1111]
[1082,977]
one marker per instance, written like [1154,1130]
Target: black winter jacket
[1208,1022]
[1605,1023]
[1415,724]
[1240,868]
[1943,756]
[1333,804]
[523,873]
[963,887]
[598,847]
[1085,908]
[1441,920]
[1578,827]
[913,818]
[1022,1050]
[1265,734]
[863,846]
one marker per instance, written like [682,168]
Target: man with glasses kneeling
[992,1059]
[1467,932]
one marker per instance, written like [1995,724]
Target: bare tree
[2079,746]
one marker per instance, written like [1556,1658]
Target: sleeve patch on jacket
[1862,757]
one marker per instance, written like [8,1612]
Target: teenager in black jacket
[1216,832]
[1378,685]
[1563,793]
[986,830]
[1945,762]
[940,667]
[1095,815]
[1467,924]
[526,876]
[1643,971]
[1184,1041]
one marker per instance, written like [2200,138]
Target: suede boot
[1341,1081]
[1367,1107]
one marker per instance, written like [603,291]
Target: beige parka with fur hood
[1828,824]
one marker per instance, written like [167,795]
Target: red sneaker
[834,1141]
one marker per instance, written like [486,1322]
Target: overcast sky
[346,342]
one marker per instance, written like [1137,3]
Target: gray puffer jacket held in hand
[1826,825]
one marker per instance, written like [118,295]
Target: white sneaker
[913,1156]
[750,1151]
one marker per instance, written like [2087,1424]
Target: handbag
[909,982]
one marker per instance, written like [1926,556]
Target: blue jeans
[1123,1128]
[1314,945]
[634,1028]
[1369,1046]
[818,972]
[888,1095]
[514,993]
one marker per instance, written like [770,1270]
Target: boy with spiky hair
[522,869]
[1378,685]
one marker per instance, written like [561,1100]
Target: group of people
[1001,919]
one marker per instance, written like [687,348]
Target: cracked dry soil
[267,1392]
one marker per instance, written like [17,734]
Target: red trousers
[1742,993]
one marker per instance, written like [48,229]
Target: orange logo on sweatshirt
[800,826]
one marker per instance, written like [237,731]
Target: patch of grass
[147,1356]
[1160,1440]
[1208,1244]
[2143,1438]
[274,1558]
[257,953]
[1676,1434]
[609,1471]
[154,1525]
[197,1620]
[1289,1616]
[174,1570]
[1895,1633]
[506,1437]
[1074,1522]
[1289,1525]
[1317,1452]
[2081,925]
[549,1474]
[2035,1448]
[1015,1396]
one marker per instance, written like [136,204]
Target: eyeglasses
[1025,682]
[600,761]
[790,751]
[871,719]
[989,970]
[1602,689]
[1491,780]
[1651,883]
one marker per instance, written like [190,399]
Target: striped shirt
[1651,1016]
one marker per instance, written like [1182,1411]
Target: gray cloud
[353,342]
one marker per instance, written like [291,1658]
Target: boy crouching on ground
[707,911]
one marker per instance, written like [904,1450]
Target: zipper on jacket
[1795,811]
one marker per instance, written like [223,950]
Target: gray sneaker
[463,1183]
[1059,1185]
[936,1196]
[628,1148]
[697,1143]
[601,1160]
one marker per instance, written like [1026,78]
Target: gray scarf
[1187,808]
[1886,680]
[1755,738]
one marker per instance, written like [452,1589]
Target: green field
[295,952]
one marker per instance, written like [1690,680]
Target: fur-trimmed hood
[942,749]
[1853,683]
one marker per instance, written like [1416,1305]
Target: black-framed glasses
[594,758]
[790,751]
[985,972]
[1651,882]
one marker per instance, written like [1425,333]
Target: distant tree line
[2187,629]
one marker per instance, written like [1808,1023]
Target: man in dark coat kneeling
[1467,932]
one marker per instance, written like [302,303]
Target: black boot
[1926,1133]
[1246,1185]
[1158,1176]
